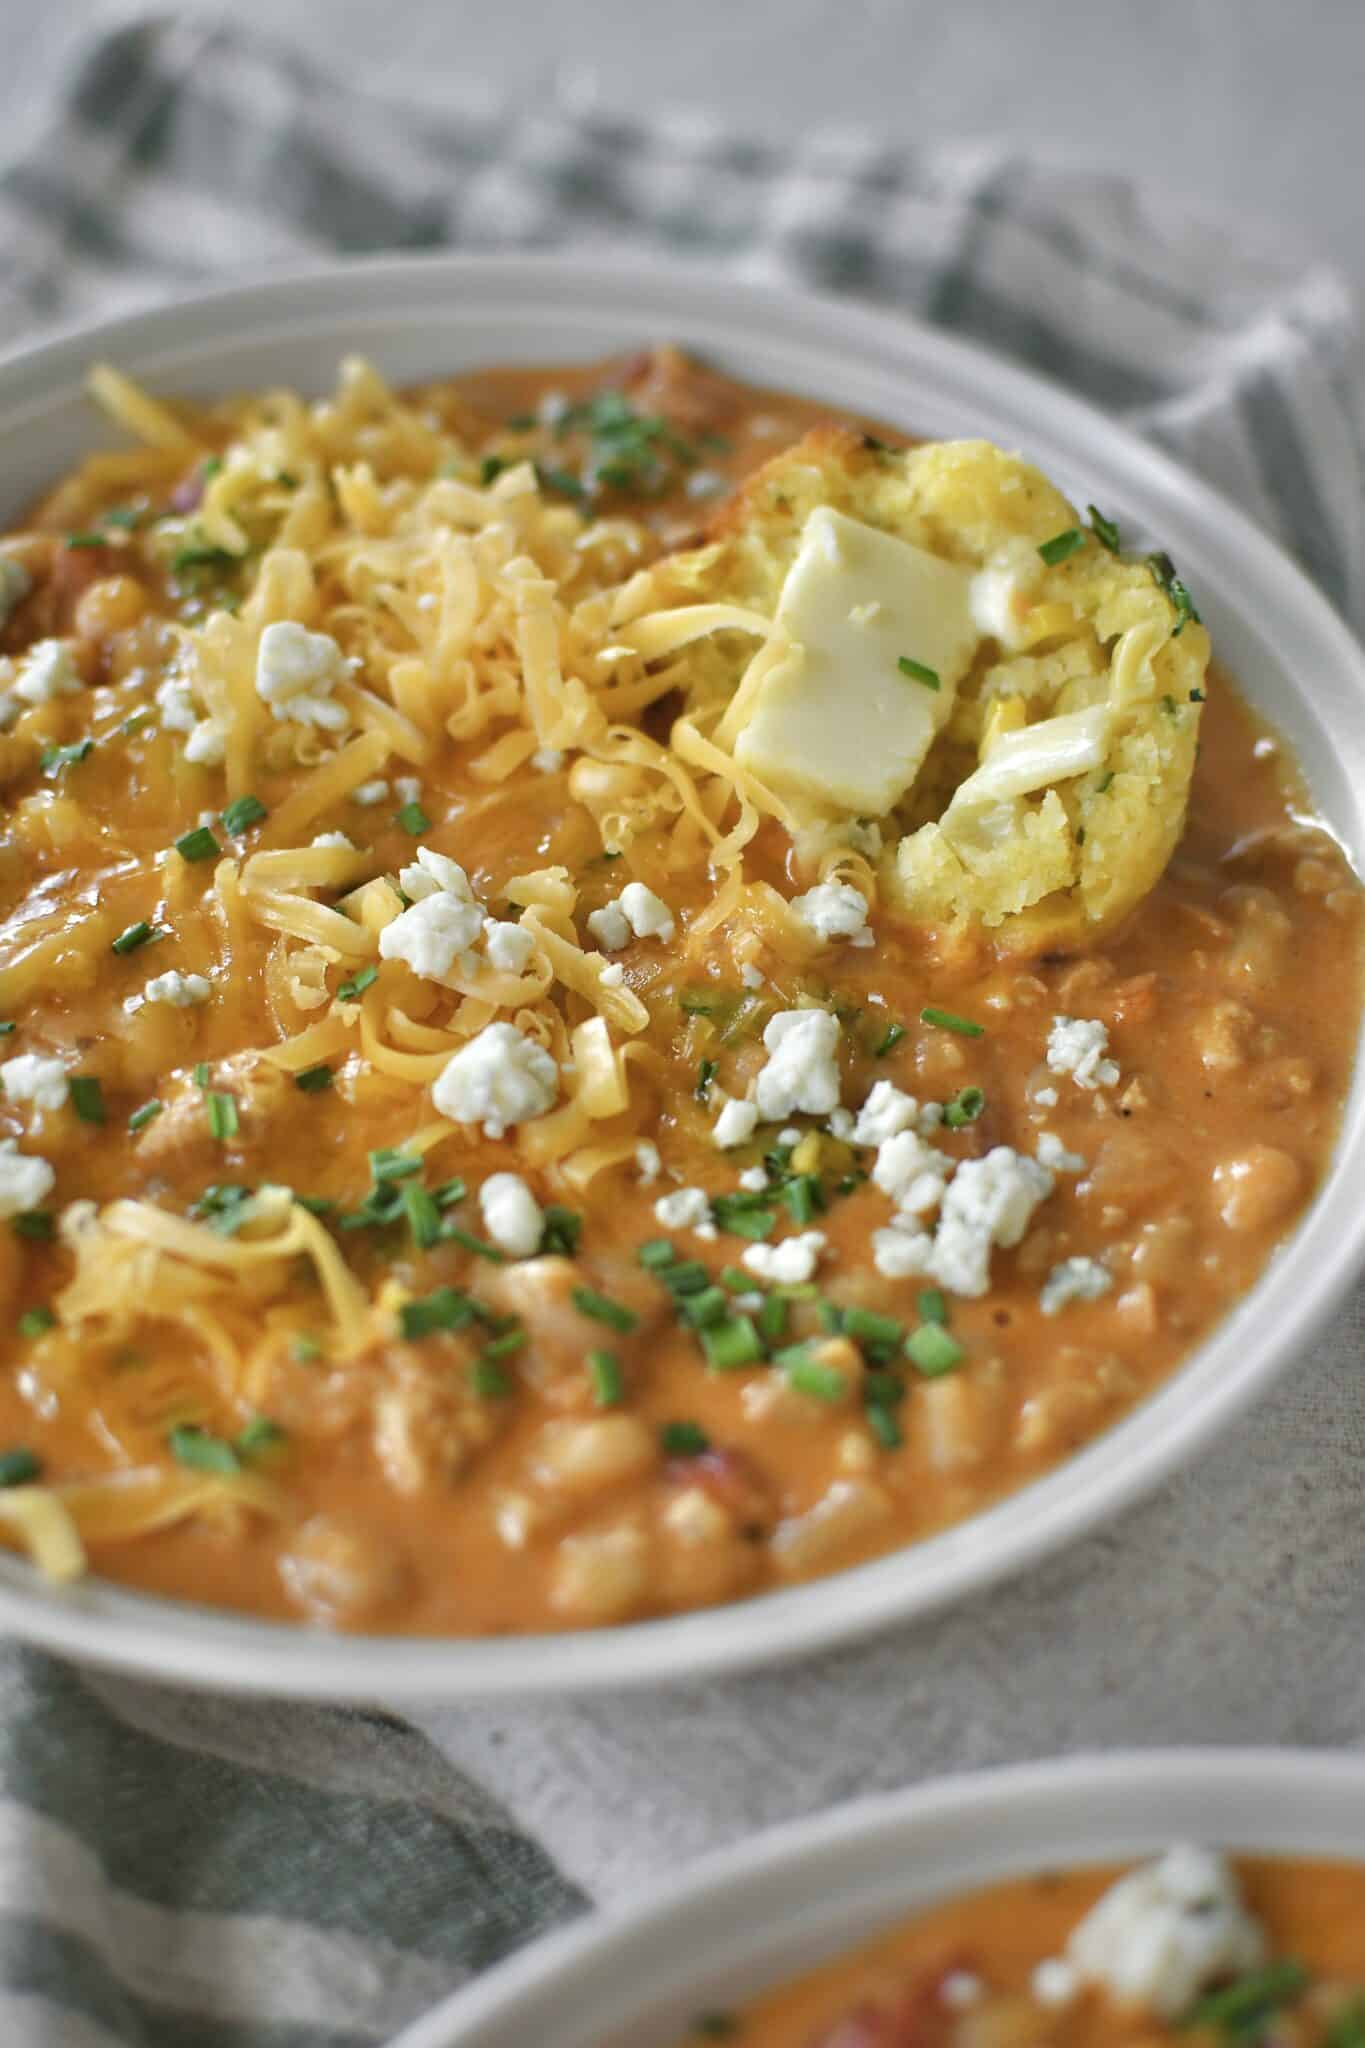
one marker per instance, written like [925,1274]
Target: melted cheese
[1021,763]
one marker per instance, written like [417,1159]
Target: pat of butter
[839,721]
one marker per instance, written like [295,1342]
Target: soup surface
[1068,1961]
[329,760]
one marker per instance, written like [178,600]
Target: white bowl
[784,1902]
[422,317]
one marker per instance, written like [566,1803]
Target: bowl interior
[774,1908]
[421,318]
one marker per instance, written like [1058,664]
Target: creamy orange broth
[446,1484]
[887,1994]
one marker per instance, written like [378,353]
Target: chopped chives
[1062,546]
[731,1345]
[312,1080]
[201,556]
[412,818]
[812,1376]
[199,844]
[657,1252]
[391,1162]
[706,1074]
[1106,531]
[488,1379]
[241,814]
[35,1224]
[424,1218]
[865,1326]
[506,1345]
[735,1215]
[260,1434]
[87,1098]
[225,1207]
[305,1349]
[608,1380]
[201,1450]
[948,1020]
[890,1039]
[772,1318]
[964,1108]
[683,1440]
[1239,2010]
[736,1279]
[201,1073]
[802,1196]
[34,1321]
[357,985]
[140,1118]
[883,1389]
[8,1026]
[133,936]
[933,1350]
[468,1242]
[602,1309]
[491,467]
[884,1426]
[449,1193]
[563,1228]
[1163,570]
[685,1276]
[53,760]
[710,1305]
[18,1466]
[222,1114]
[919,672]
[445,1308]
[561,480]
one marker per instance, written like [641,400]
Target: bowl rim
[832,1877]
[181,1642]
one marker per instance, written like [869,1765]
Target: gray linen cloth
[182,1871]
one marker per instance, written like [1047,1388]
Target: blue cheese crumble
[988,1202]
[1074,1280]
[802,1073]
[500,1078]
[1167,1932]
[1077,1046]
[24,1179]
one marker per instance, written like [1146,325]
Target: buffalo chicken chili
[1190,1949]
[614,994]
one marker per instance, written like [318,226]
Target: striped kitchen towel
[180,1871]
